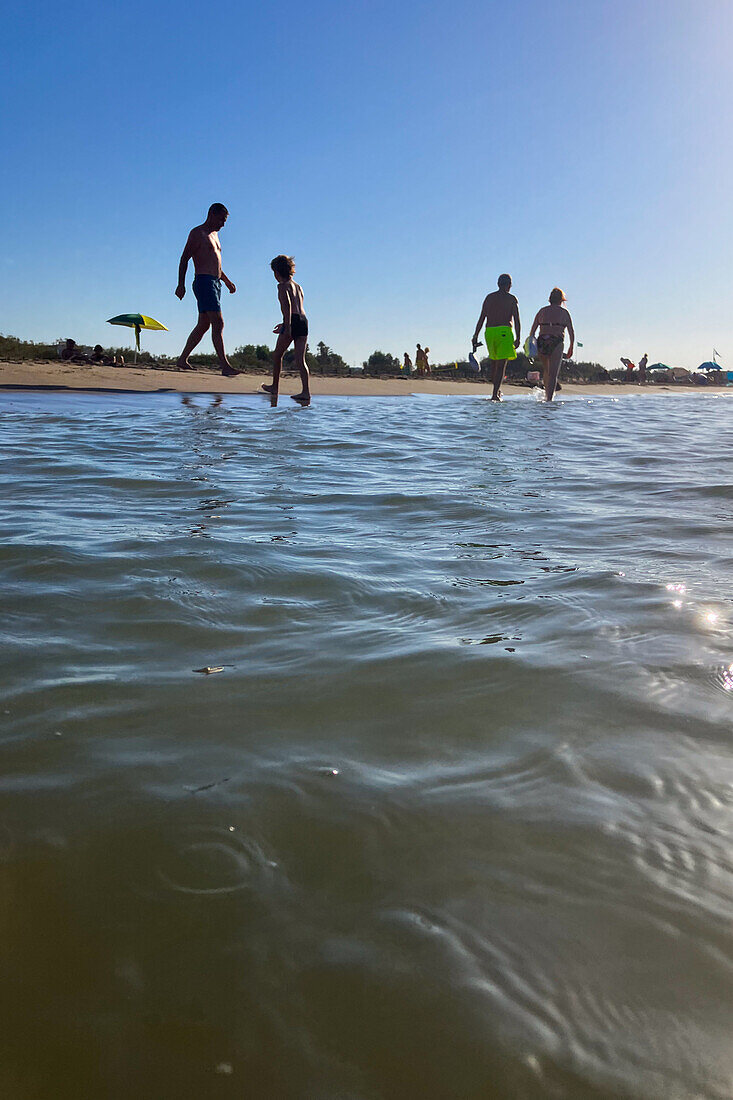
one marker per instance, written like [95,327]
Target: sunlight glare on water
[380,749]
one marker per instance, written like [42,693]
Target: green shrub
[381,362]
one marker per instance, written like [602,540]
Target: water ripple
[455,816]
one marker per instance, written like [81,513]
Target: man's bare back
[499,308]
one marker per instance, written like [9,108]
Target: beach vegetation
[12,347]
[381,362]
[327,361]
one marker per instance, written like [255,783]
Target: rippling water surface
[453,820]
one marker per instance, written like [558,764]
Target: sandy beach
[143,379]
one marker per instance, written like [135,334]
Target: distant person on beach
[99,357]
[426,361]
[72,353]
[552,321]
[407,363]
[294,329]
[630,367]
[204,249]
[642,367]
[419,361]
[499,311]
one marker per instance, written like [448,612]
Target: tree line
[257,358]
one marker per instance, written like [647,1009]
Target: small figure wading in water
[294,329]
[552,322]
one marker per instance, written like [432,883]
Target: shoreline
[62,376]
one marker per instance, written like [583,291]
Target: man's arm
[228,284]
[571,331]
[183,265]
[517,324]
[482,315]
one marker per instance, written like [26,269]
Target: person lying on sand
[98,356]
[204,249]
[552,322]
[499,311]
[294,329]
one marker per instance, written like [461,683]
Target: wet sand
[142,379]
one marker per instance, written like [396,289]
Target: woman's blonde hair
[557,296]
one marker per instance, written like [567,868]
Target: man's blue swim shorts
[207,289]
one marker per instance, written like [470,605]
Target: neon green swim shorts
[499,342]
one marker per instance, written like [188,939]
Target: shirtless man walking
[498,312]
[204,249]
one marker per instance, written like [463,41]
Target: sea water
[451,814]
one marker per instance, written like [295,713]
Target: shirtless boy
[552,321]
[499,311]
[204,249]
[294,329]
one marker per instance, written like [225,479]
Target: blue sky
[405,154]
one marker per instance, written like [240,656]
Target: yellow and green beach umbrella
[137,321]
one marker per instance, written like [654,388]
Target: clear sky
[405,154]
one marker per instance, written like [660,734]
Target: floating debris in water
[208,669]
[225,1068]
[208,786]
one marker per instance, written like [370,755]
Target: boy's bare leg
[498,378]
[197,335]
[282,345]
[304,396]
[553,370]
[217,339]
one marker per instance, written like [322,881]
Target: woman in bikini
[552,321]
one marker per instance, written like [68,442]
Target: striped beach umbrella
[137,321]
